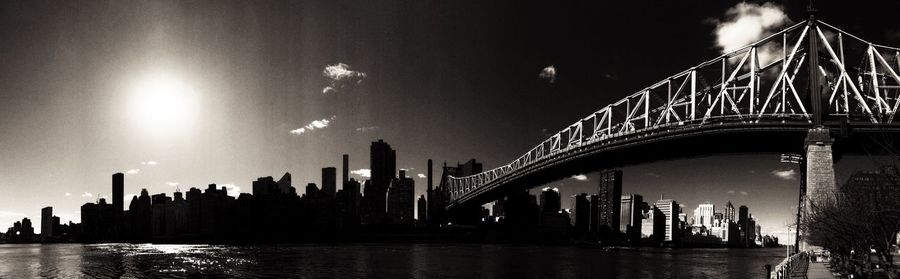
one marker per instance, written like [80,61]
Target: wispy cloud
[580,177]
[68,194]
[364,173]
[149,163]
[315,124]
[422,175]
[731,192]
[785,174]
[743,193]
[172,184]
[548,74]
[746,23]
[339,75]
[133,171]
[87,195]
[367,129]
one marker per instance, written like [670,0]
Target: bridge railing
[795,264]
[753,84]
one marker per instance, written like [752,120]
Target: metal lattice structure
[765,82]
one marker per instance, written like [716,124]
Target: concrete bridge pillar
[820,181]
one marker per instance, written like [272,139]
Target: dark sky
[447,80]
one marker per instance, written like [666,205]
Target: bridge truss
[764,82]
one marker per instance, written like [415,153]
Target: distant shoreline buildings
[386,203]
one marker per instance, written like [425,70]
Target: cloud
[315,124]
[87,195]
[172,184]
[422,175]
[233,190]
[365,173]
[785,174]
[580,177]
[367,129]
[339,75]
[68,194]
[743,193]
[133,171]
[746,23]
[548,74]
[731,192]
[149,163]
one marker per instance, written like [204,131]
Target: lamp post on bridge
[795,158]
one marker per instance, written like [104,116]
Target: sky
[260,88]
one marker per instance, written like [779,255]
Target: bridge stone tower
[820,181]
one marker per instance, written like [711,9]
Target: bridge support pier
[820,181]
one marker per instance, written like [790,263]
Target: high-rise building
[329,183]
[47,221]
[631,215]
[669,209]
[595,213]
[550,200]
[401,199]
[422,207]
[346,171]
[610,192]
[118,192]
[285,186]
[582,212]
[743,223]
[729,212]
[703,215]
[429,193]
[312,191]
[383,165]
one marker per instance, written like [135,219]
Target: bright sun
[162,104]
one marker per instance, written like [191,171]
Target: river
[377,260]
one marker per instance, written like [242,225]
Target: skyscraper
[429,192]
[631,215]
[581,209]
[346,171]
[422,206]
[610,192]
[743,223]
[729,212]
[703,215]
[383,165]
[669,209]
[47,221]
[550,200]
[118,192]
[329,183]
[401,199]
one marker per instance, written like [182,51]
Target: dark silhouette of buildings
[329,181]
[581,212]
[383,166]
[422,207]
[47,221]
[401,200]
[118,192]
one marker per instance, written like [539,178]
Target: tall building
[610,192]
[729,212]
[118,192]
[582,212]
[284,184]
[595,213]
[383,165]
[346,171]
[550,200]
[704,215]
[744,223]
[429,192]
[669,209]
[47,221]
[329,181]
[631,215]
[422,207]
[401,199]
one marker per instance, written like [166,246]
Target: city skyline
[249,110]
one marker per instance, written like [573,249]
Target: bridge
[795,88]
